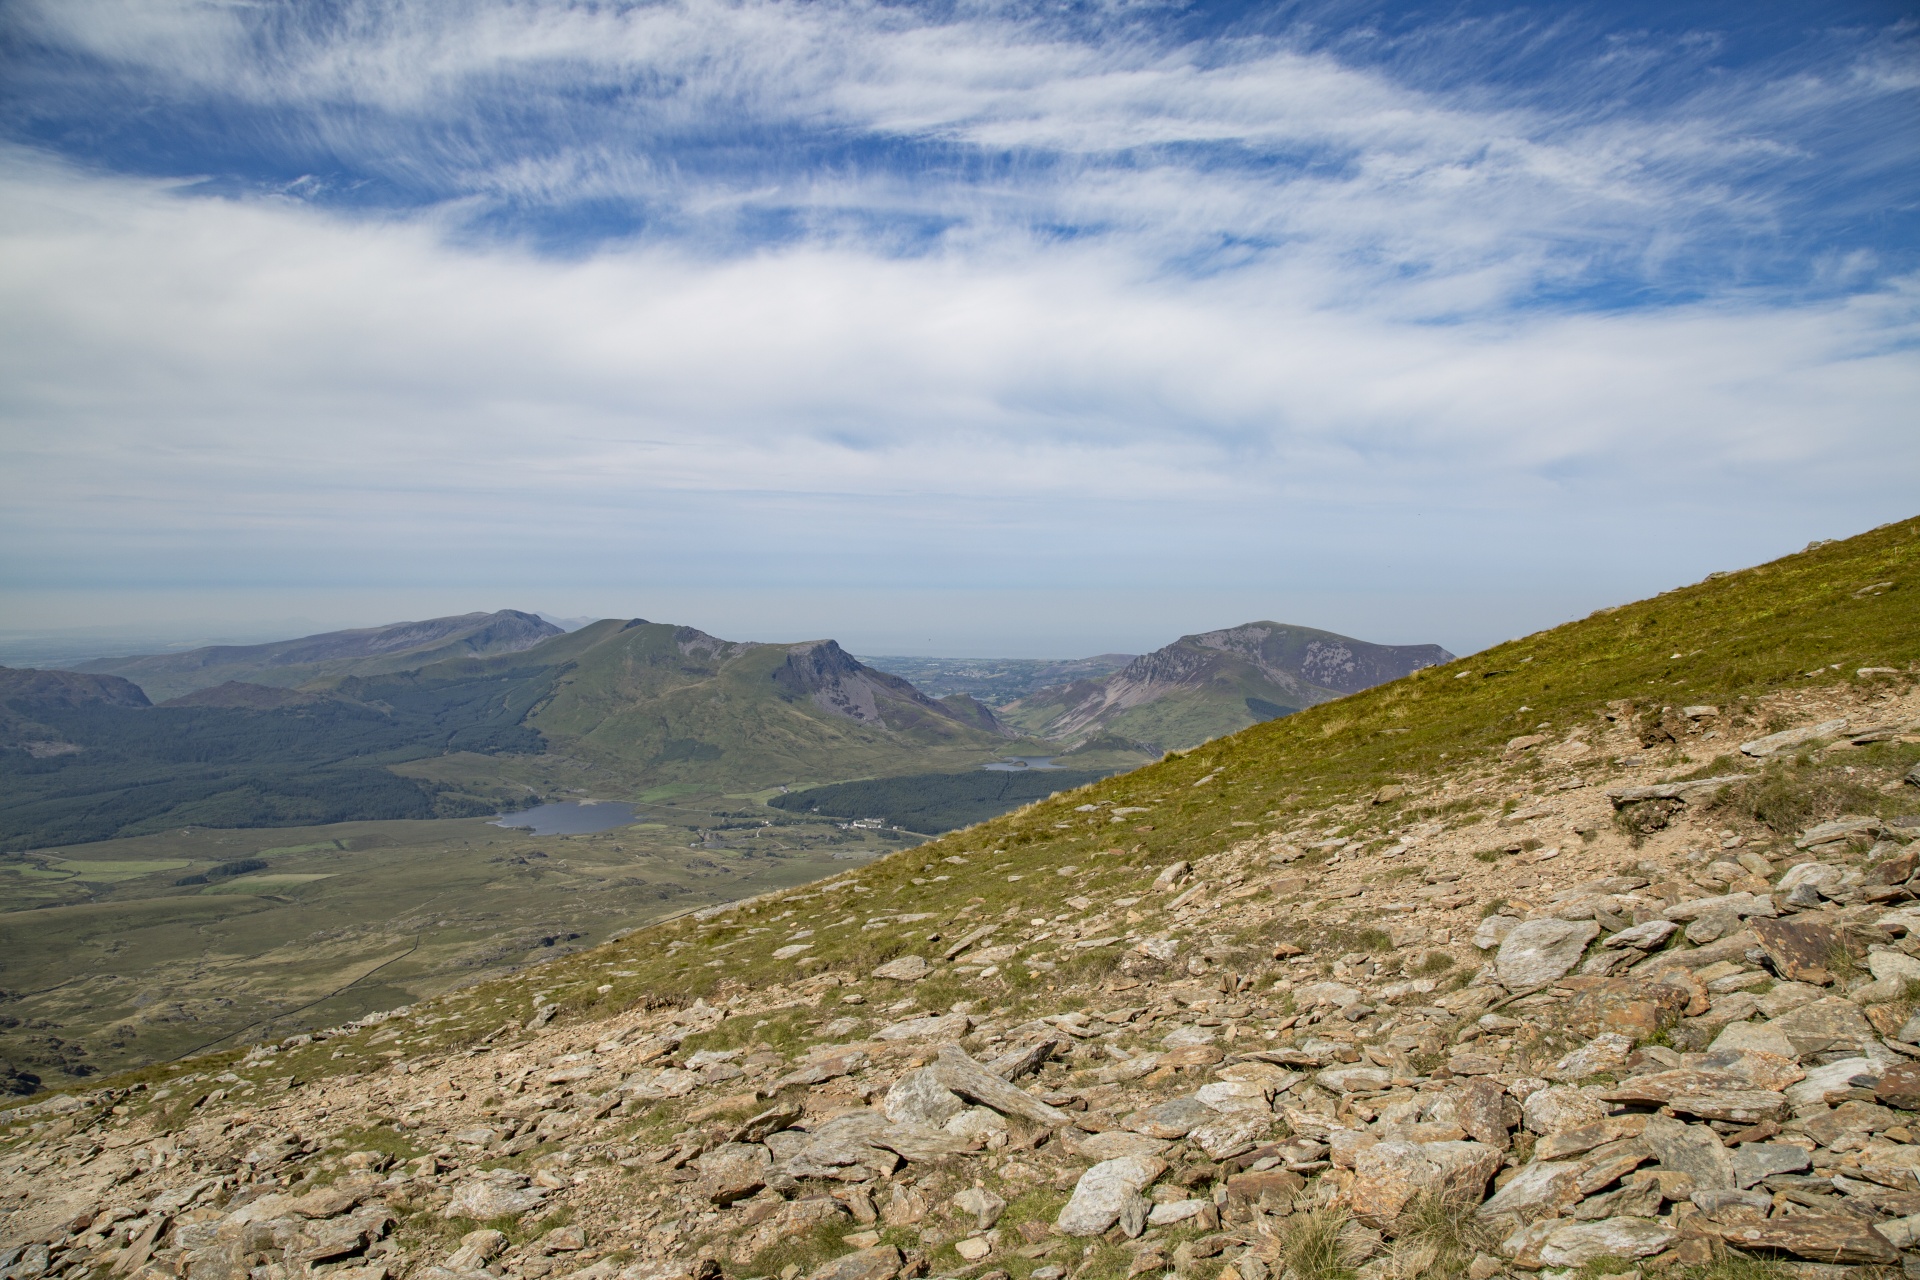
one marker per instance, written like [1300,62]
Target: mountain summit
[1216,682]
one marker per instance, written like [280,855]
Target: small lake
[1020,764]
[569,817]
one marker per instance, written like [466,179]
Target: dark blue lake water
[1020,764]
[569,817]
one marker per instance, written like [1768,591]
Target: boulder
[1799,949]
[1899,1086]
[1833,1238]
[1763,1160]
[490,1196]
[1174,1118]
[983,1206]
[1480,1109]
[1104,1191]
[1694,1150]
[918,1097]
[949,1027]
[1648,935]
[1539,1190]
[1235,1097]
[1538,952]
[969,1079]
[881,1262]
[1353,1079]
[734,1171]
[1829,1025]
[1581,1242]
[1493,931]
[1561,1107]
[1608,1051]
[904,969]
[1115,1143]
[1389,1174]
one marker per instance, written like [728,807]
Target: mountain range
[1213,683]
[461,716]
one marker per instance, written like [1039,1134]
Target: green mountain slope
[332,655]
[659,704]
[1216,682]
[1839,622]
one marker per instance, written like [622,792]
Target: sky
[976,329]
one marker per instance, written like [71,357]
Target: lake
[569,817]
[1020,764]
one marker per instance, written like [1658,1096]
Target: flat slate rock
[1537,952]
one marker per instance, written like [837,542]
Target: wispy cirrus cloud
[426,292]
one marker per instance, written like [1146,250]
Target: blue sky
[962,328]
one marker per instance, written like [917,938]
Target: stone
[1753,1161]
[1353,1079]
[1741,1106]
[492,1196]
[1538,952]
[919,1143]
[984,1206]
[973,1248]
[918,1097]
[1581,1242]
[734,1171]
[1759,1037]
[1115,1143]
[1735,905]
[1830,1081]
[1319,993]
[1893,966]
[1269,1188]
[976,1122]
[1760,748]
[1899,1086]
[881,1262]
[1493,931]
[948,1027]
[786,1222]
[1820,875]
[1174,1118]
[1104,1190]
[1389,1174]
[969,1079]
[1165,1215]
[1834,1238]
[1561,1107]
[828,1067]
[1839,829]
[904,969]
[1345,1145]
[1694,1150]
[326,1202]
[1799,949]
[1539,1190]
[1572,1142]
[1760,1070]
[1648,935]
[1480,1109]
[1234,1097]
[1851,1116]
[1628,1008]
[1828,1025]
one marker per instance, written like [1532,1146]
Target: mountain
[625,705]
[656,703]
[1593,890]
[1202,686]
[331,655]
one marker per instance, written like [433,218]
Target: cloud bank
[629,301]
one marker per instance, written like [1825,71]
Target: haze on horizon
[989,330]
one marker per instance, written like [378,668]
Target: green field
[106,962]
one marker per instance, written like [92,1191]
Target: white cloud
[1122,355]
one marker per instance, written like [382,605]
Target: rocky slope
[1213,683]
[1630,990]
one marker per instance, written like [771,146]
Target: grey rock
[1753,1161]
[985,1206]
[1175,1118]
[1540,1190]
[1582,1242]
[969,1079]
[1714,1201]
[1537,952]
[948,1027]
[904,969]
[1104,1191]
[918,1097]
[1116,1143]
[1694,1150]
[734,1171]
[1646,936]
[493,1196]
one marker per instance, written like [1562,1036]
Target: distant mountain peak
[1215,682]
